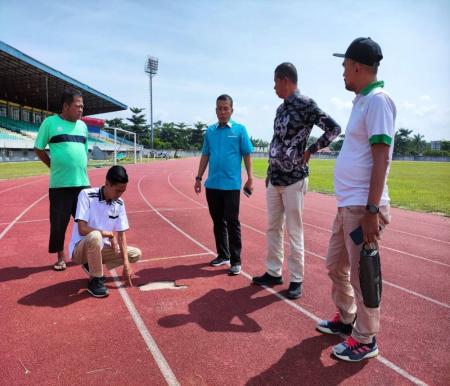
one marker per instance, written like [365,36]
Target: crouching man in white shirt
[100,237]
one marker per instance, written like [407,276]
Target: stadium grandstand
[30,91]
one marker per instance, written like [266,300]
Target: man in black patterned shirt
[287,176]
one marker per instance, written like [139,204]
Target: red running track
[218,330]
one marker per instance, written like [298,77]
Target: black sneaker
[267,279]
[97,287]
[85,268]
[295,290]
[234,270]
[218,261]
[334,326]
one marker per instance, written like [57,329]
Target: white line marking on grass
[307,313]
[166,371]
[5,231]
[174,257]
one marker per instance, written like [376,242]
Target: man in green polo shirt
[66,135]
[360,177]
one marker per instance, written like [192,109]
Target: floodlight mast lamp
[151,68]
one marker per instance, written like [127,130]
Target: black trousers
[63,203]
[224,210]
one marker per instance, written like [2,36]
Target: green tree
[402,141]
[195,138]
[138,124]
[311,140]
[259,143]
[418,143]
[115,122]
[337,144]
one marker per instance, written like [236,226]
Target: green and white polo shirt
[68,151]
[372,121]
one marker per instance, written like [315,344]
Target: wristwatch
[372,209]
[198,178]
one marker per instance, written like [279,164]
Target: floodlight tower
[151,68]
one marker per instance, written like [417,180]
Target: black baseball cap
[363,50]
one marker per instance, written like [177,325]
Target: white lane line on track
[393,229]
[424,297]
[145,333]
[174,257]
[307,313]
[128,212]
[26,221]
[5,231]
[18,186]
[382,246]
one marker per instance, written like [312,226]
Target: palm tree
[418,142]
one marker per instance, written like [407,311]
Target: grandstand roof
[24,80]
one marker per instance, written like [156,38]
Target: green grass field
[423,186]
[10,170]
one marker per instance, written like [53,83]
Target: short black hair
[226,98]
[68,95]
[117,175]
[286,70]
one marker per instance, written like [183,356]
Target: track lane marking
[381,246]
[158,356]
[174,257]
[5,231]
[307,313]
[424,297]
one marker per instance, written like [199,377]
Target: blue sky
[209,47]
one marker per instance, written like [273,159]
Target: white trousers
[285,204]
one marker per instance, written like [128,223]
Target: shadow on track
[178,272]
[302,365]
[57,295]
[218,309]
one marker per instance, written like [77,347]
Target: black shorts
[63,203]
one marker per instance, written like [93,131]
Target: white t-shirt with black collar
[100,214]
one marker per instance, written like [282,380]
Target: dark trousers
[224,210]
[63,203]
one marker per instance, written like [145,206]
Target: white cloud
[340,104]
[425,98]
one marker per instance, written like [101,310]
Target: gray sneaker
[234,270]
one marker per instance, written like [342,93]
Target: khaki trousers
[285,203]
[343,268]
[89,250]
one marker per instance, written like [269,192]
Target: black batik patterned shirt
[293,123]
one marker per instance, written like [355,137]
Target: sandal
[60,266]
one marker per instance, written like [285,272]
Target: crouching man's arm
[123,248]
[84,229]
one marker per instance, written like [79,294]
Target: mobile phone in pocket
[357,235]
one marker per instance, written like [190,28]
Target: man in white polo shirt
[99,236]
[362,196]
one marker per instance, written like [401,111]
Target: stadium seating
[13,129]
